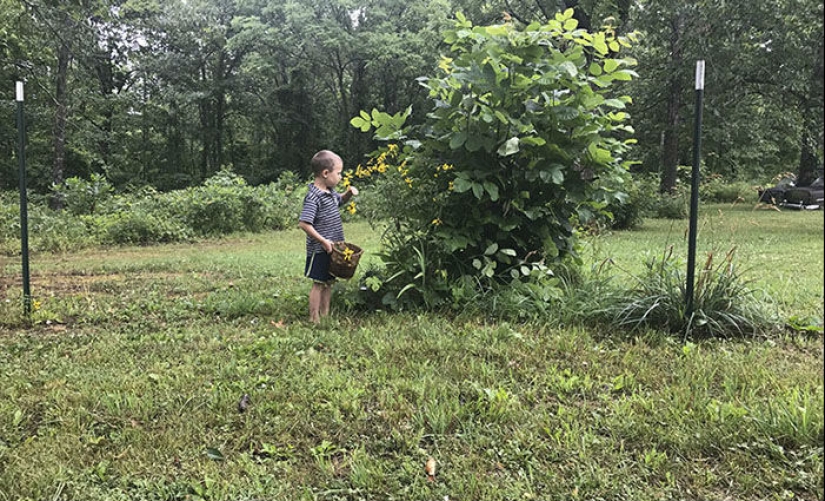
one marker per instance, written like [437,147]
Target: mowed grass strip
[133,393]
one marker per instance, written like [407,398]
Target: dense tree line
[166,93]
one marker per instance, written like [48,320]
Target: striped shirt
[321,211]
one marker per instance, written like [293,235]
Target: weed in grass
[793,419]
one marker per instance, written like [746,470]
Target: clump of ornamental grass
[724,304]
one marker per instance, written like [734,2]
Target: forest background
[166,94]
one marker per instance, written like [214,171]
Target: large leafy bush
[524,140]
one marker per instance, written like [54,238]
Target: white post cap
[700,74]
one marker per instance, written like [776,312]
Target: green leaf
[570,68]
[214,454]
[615,103]
[491,249]
[599,155]
[624,75]
[498,30]
[610,65]
[599,43]
[509,147]
[461,184]
[595,69]
[558,175]
[533,141]
[458,139]
[492,189]
[360,123]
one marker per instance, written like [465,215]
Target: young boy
[321,221]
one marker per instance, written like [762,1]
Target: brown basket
[344,259]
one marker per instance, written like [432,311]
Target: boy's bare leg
[326,297]
[315,302]
[319,298]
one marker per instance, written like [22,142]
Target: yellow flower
[436,222]
[36,305]
[348,254]
[351,209]
[451,187]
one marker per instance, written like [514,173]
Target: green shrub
[518,147]
[628,213]
[225,204]
[94,215]
[84,197]
[143,228]
[671,206]
[717,189]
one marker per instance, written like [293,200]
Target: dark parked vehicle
[788,194]
[776,195]
[805,197]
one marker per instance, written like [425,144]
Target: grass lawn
[127,385]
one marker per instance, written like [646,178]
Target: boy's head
[327,166]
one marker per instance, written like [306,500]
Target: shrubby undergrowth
[96,215]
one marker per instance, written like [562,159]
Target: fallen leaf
[429,469]
[278,325]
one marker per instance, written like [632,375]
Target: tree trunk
[809,164]
[219,114]
[206,130]
[670,152]
[64,57]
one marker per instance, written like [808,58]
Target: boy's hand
[353,190]
[327,244]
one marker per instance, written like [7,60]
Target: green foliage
[717,189]
[628,213]
[522,141]
[672,205]
[224,204]
[84,197]
[723,303]
[141,227]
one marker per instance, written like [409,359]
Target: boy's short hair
[324,160]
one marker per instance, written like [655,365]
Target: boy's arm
[352,191]
[313,233]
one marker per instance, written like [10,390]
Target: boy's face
[333,177]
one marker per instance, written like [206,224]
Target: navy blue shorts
[317,267]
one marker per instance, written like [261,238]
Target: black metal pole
[694,189]
[24,213]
